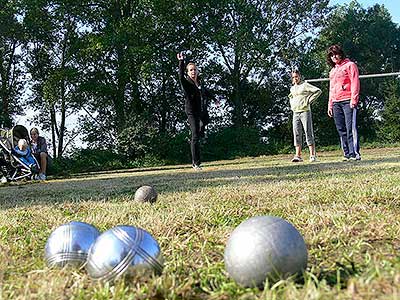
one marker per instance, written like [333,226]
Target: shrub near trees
[389,124]
[116,62]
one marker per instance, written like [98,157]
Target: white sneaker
[313,158]
[297,159]
[42,176]
[3,179]
[196,167]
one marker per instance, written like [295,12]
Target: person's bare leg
[43,162]
[298,151]
[312,150]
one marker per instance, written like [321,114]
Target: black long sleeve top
[196,97]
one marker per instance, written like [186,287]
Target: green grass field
[347,212]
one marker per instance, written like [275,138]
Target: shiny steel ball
[69,244]
[124,250]
[146,193]
[264,247]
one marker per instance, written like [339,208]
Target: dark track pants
[197,128]
[346,125]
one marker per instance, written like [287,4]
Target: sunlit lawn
[347,212]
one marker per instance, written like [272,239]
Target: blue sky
[393,6]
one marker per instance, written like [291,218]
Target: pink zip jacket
[344,83]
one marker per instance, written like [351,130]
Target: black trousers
[197,127]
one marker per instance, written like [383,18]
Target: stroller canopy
[10,137]
[19,132]
[14,165]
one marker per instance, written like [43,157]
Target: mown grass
[347,212]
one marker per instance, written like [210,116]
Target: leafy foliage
[54,30]
[233,142]
[11,69]
[137,140]
[389,126]
[248,40]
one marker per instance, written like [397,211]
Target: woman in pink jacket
[344,89]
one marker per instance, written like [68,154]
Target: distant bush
[136,141]
[173,149]
[232,142]
[389,125]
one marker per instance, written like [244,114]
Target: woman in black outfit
[195,106]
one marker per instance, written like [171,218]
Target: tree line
[115,60]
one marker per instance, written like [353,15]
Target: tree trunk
[119,99]
[62,122]
[237,96]
[6,86]
[53,121]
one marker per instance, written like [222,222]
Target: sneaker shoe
[297,159]
[196,167]
[3,179]
[313,158]
[345,158]
[42,176]
[352,158]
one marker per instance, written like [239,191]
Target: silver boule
[124,250]
[146,193]
[69,244]
[264,247]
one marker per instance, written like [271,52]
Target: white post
[361,76]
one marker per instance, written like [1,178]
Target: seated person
[39,149]
[24,153]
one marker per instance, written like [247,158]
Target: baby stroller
[13,166]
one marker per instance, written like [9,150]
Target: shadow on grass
[339,276]
[110,185]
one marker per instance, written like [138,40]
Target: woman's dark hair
[334,49]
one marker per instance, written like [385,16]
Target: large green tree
[115,51]
[130,69]
[54,29]
[11,67]
[250,41]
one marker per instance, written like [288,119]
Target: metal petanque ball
[146,193]
[69,244]
[124,250]
[264,247]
